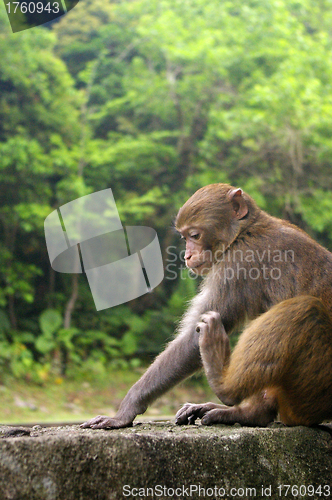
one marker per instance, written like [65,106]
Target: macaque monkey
[256,268]
[281,364]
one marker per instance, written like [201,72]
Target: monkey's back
[288,351]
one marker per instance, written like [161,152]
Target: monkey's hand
[189,412]
[212,333]
[214,349]
[103,422]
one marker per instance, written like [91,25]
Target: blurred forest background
[153,98]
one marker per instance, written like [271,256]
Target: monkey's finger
[182,416]
[205,317]
[93,421]
[181,411]
[200,327]
[192,419]
[182,420]
[188,414]
[111,423]
[107,423]
[211,318]
[102,422]
[214,417]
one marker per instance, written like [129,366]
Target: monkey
[286,354]
[253,267]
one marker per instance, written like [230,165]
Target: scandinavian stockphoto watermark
[121,263]
[25,14]
[233,264]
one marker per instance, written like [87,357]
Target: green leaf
[129,343]
[45,345]
[49,321]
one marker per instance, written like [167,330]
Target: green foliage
[17,278]
[316,211]
[4,324]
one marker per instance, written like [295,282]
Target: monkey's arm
[179,360]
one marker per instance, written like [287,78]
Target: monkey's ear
[239,203]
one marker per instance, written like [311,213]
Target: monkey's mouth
[198,265]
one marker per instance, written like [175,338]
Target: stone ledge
[69,463]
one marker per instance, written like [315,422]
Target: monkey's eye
[195,236]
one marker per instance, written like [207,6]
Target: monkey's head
[210,221]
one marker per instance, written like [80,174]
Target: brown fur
[286,352]
[230,225]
